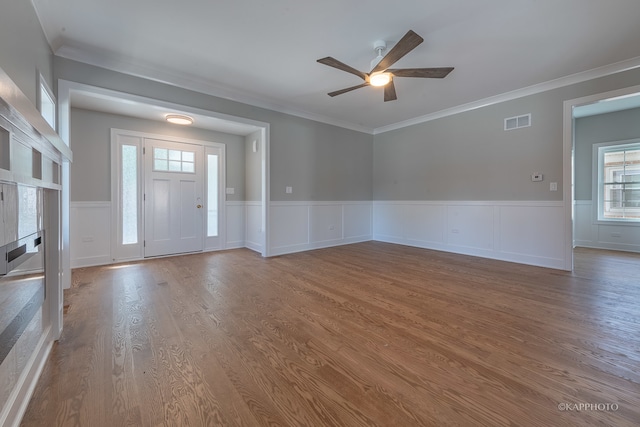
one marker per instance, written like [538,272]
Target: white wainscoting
[523,232]
[589,234]
[235,218]
[305,225]
[90,233]
[254,233]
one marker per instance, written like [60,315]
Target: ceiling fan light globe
[380,79]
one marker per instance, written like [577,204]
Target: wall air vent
[517,122]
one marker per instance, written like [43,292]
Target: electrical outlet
[553,186]
[288,190]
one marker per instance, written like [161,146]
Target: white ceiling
[264,52]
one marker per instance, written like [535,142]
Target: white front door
[173,200]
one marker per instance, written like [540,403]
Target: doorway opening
[585,226]
[77,95]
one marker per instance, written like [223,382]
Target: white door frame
[142,176]
[568,142]
[67,88]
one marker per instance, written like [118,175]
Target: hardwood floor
[366,334]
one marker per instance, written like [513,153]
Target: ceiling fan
[381,74]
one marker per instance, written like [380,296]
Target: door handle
[198,206]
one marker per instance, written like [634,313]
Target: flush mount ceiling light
[179,119]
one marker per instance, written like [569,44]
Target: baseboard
[91,261]
[283,250]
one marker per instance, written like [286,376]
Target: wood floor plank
[370,334]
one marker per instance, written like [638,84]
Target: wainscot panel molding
[90,233]
[527,232]
[235,225]
[306,225]
[254,232]
[590,234]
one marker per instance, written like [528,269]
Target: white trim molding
[90,233]
[91,237]
[595,73]
[254,231]
[527,232]
[305,225]
[107,61]
[589,233]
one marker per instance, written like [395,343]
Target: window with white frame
[166,160]
[618,181]
[46,102]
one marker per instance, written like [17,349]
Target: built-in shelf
[55,173]
[36,170]
[5,153]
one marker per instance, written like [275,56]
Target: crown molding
[200,85]
[583,76]
[193,83]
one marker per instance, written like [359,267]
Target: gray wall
[253,168]
[90,138]
[23,47]
[320,162]
[469,156]
[618,126]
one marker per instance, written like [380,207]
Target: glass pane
[188,167]
[27,210]
[174,155]
[175,166]
[632,158]
[212,195]
[632,196]
[188,156]
[160,165]
[160,153]
[129,194]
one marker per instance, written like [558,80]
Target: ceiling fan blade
[434,73]
[404,46]
[349,89]
[332,62]
[390,92]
